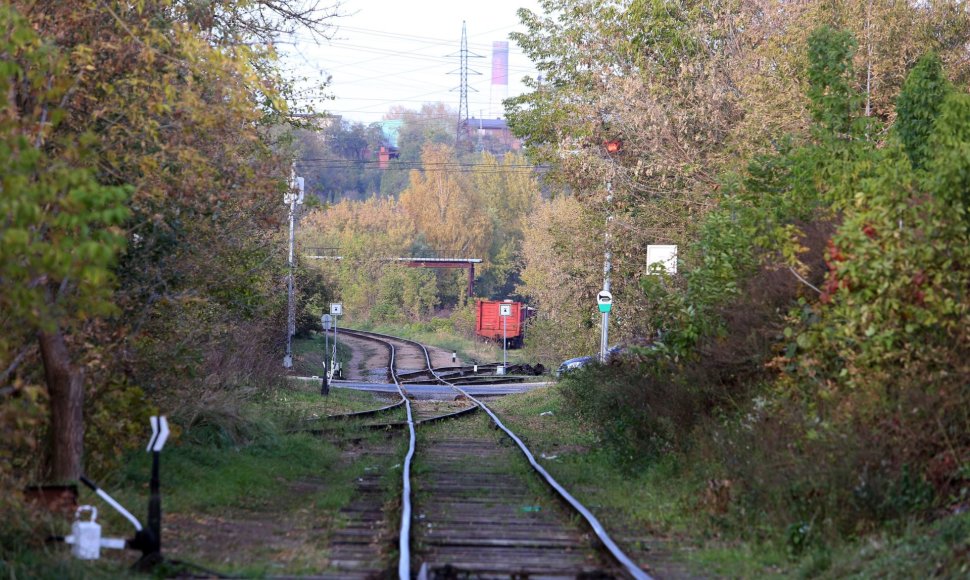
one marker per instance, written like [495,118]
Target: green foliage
[918,107]
[405,294]
[106,437]
[60,236]
[313,300]
[949,171]
[864,258]
[834,98]
[896,282]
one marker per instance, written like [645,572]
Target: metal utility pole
[293,197]
[463,88]
[326,322]
[607,269]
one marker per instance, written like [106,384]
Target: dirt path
[368,361]
[262,537]
[297,531]
[442,358]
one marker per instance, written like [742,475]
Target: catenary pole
[293,197]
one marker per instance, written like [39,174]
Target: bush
[219,418]
[649,403]
[640,414]
[822,480]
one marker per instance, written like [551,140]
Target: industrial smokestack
[500,76]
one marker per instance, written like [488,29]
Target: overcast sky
[392,52]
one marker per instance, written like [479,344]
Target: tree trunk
[65,385]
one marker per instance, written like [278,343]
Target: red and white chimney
[500,78]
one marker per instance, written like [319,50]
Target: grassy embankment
[244,491]
[308,355]
[668,501]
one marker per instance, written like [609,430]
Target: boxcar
[488,321]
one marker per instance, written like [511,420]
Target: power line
[360,75]
[451,167]
[423,40]
[463,72]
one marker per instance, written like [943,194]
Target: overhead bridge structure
[427,259]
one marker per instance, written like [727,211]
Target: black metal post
[149,541]
[155,505]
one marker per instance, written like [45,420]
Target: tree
[446,210]
[509,193]
[560,277]
[918,107]
[366,235]
[433,124]
[175,100]
[339,161]
[61,233]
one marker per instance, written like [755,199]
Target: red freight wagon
[488,321]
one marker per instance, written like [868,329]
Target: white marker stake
[154,423]
[162,434]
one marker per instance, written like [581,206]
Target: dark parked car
[573,364]
[581,361]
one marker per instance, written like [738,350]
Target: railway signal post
[504,310]
[605,302]
[336,311]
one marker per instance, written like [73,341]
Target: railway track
[473,510]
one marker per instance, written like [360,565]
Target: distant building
[391,128]
[385,155]
[389,150]
[491,135]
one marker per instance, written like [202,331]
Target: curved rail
[390,374]
[434,419]
[367,413]
[404,563]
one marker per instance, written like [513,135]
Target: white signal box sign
[665,256]
[505,310]
[337,309]
[604,300]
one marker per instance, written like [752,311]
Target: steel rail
[404,537]
[390,374]
[404,543]
[362,414]
[434,419]
[625,561]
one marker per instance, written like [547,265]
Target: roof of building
[487,123]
